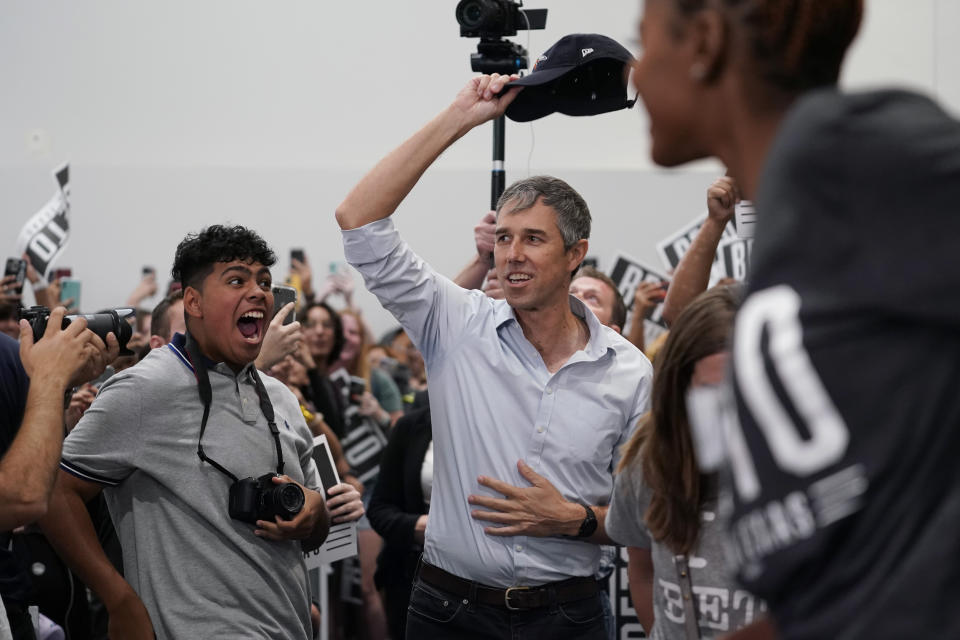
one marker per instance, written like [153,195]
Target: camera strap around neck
[206,397]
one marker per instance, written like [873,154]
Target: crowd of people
[778,464]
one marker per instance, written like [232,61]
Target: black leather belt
[512,598]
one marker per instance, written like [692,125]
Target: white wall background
[179,114]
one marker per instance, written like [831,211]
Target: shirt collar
[599,342]
[179,345]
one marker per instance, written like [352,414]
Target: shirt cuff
[371,242]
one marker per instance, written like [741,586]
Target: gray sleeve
[104,446]
[628,505]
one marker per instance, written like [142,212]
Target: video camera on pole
[491,21]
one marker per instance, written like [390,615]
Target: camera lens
[290,498]
[480,15]
[472,14]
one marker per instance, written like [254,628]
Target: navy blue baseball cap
[583,74]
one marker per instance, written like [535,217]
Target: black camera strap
[206,397]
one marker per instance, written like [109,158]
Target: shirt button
[519,547]
[540,429]
[549,391]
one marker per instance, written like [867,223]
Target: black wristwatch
[589,524]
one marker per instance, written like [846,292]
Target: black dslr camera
[115,321]
[253,499]
[497,18]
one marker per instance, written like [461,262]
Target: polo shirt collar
[179,346]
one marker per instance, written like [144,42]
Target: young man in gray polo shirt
[191,570]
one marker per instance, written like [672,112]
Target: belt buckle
[506,597]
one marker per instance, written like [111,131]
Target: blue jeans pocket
[432,604]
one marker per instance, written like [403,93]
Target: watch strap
[589,524]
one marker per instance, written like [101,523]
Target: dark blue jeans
[437,615]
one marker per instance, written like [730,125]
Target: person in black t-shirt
[843,414]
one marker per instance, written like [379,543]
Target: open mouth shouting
[251,325]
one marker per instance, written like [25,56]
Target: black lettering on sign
[45,234]
[629,272]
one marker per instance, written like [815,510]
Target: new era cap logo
[541,58]
[585,52]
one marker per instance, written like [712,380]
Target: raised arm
[382,190]
[61,358]
[693,273]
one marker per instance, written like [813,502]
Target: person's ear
[192,303]
[577,253]
[616,328]
[156,342]
[711,41]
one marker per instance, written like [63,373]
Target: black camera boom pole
[498,177]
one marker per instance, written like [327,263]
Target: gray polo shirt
[199,573]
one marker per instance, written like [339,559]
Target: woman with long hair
[843,416]
[663,507]
[381,400]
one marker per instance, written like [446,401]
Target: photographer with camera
[35,377]
[205,464]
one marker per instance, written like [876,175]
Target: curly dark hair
[198,252]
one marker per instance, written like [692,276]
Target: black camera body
[253,499]
[115,321]
[496,18]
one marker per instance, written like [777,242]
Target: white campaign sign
[629,272]
[673,248]
[341,541]
[45,234]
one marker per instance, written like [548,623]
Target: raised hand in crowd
[41,288]
[693,273]
[340,283]
[53,297]
[8,292]
[484,237]
[146,288]
[370,407]
[62,358]
[280,339]
[647,295]
[492,287]
[80,401]
[302,271]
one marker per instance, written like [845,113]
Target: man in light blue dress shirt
[531,397]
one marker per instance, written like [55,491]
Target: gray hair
[573,216]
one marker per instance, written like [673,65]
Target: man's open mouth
[518,278]
[250,325]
